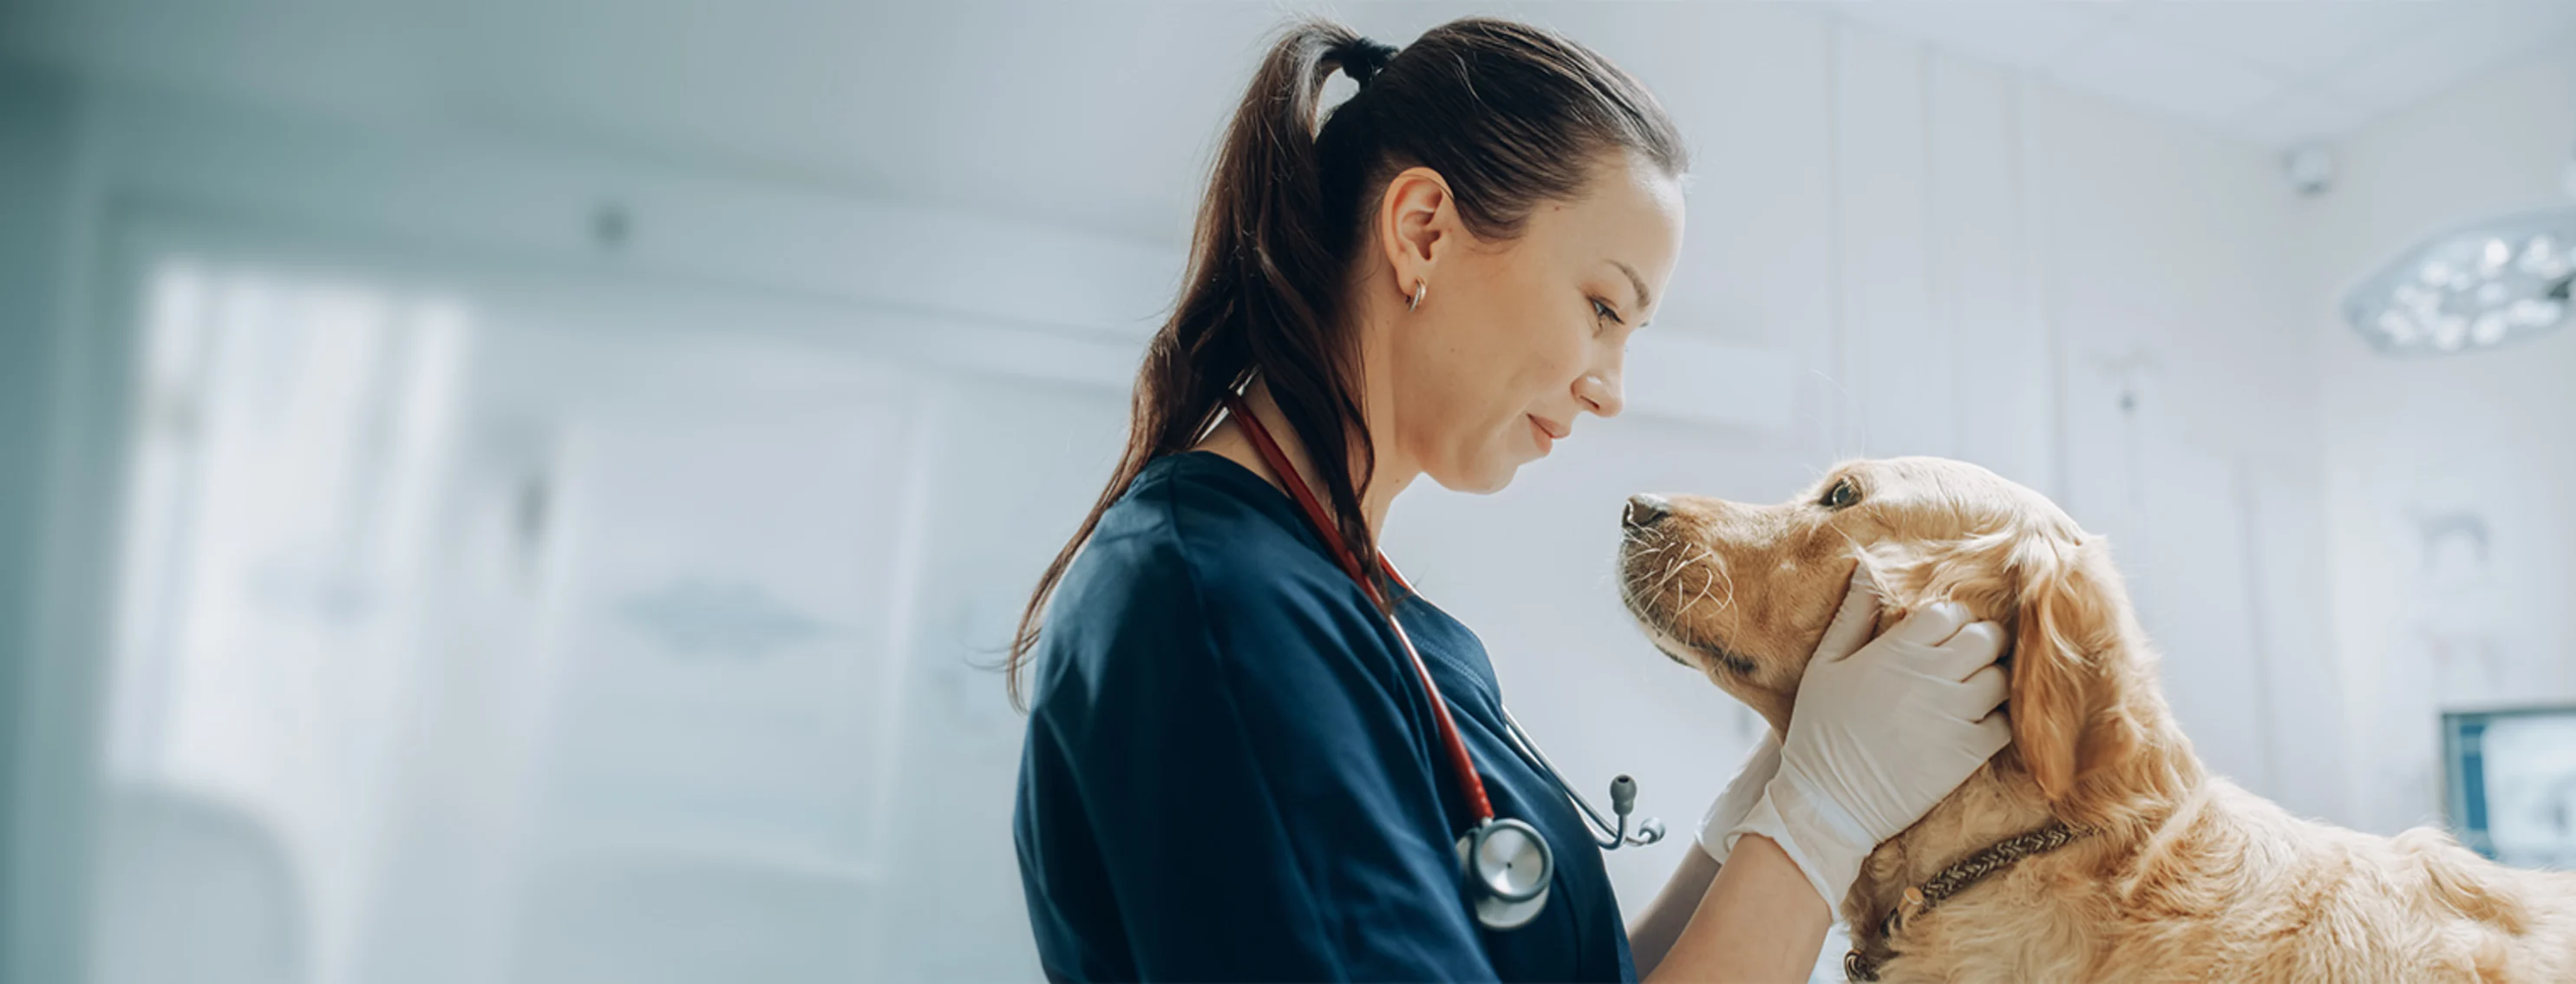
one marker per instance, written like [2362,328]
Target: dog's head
[1742,593]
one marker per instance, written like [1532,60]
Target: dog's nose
[1646,509]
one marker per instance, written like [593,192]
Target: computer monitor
[2509,783]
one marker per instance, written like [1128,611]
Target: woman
[1234,767]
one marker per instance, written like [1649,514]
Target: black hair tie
[1362,58]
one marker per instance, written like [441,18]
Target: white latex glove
[1741,793]
[1879,735]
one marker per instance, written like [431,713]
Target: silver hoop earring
[1420,287]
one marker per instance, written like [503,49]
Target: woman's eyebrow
[1635,282]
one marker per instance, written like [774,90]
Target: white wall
[2484,434]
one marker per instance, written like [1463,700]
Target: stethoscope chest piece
[1507,867]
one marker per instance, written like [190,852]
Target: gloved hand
[1849,631]
[1879,734]
[1741,793]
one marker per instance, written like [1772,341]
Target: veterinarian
[1238,763]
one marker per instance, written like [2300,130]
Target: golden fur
[2187,877]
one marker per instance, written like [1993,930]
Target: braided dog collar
[1967,871]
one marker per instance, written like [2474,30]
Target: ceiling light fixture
[2476,286]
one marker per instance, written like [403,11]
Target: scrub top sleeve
[1265,804]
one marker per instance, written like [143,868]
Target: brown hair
[1509,115]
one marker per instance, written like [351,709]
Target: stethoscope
[1504,863]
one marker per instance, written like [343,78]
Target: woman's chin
[1480,478]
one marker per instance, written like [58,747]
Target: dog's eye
[1841,496]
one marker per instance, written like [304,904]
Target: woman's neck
[1391,477]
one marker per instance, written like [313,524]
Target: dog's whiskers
[1672,569]
[1707,579]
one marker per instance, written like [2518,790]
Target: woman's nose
[1600,393]
[1646,509]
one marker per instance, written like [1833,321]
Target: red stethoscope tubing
[1469,783]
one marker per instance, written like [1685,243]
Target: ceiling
[2277,73]
[1099,115]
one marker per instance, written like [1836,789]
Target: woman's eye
[1841,496]
[1602,311]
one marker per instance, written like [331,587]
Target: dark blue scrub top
[1231,771]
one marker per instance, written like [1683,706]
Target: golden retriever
[2181,875]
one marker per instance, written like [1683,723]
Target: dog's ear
[2067,716]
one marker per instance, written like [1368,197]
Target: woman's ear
[2067,720]
[1414,219]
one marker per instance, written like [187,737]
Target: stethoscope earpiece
[1610,834]
[1650,831]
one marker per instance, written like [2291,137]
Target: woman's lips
[1539,431]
